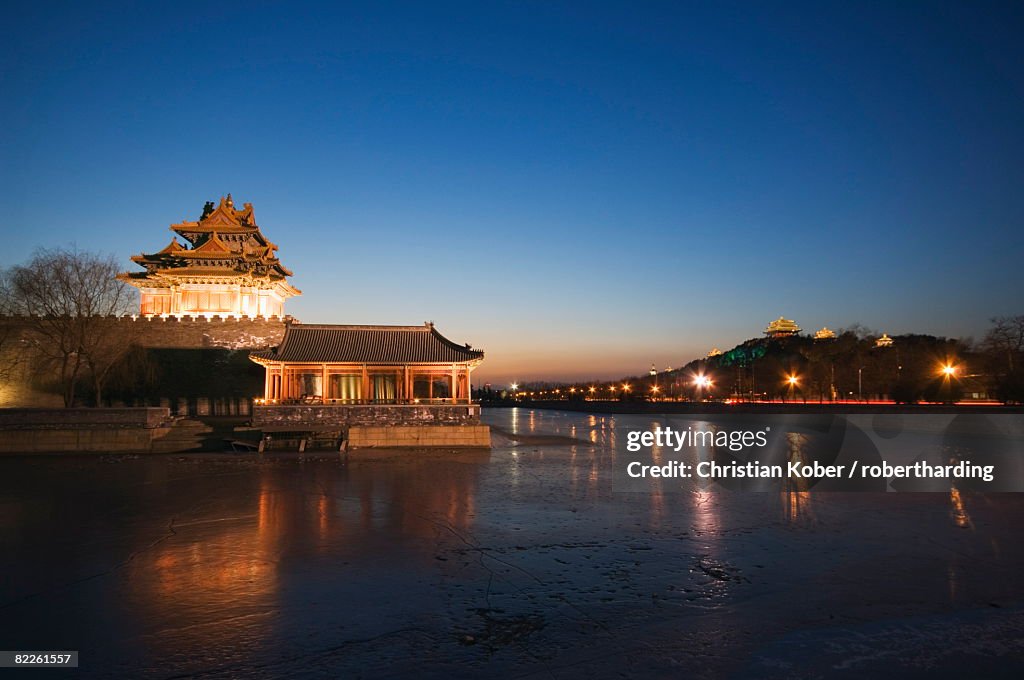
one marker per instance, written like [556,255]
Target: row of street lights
[703,382]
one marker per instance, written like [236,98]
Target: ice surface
[519,562]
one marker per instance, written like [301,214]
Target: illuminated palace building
[335,364]
[361,383]
[226,267]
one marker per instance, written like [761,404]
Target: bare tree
[66,298]
[10,338]
[1005,338]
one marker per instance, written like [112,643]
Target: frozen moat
[517,562]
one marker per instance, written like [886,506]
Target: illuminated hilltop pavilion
[226,267]
[781,328]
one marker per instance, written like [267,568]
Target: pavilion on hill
[782,328]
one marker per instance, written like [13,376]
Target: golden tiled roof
[782,326]
[211,247]
[222,232]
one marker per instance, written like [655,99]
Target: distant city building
[884,341]
[715,352]
[825,333]
[781,328]
[226,267]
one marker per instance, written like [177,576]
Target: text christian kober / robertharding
[737,440]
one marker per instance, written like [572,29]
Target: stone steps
[184,435]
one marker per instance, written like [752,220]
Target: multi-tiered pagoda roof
[222,264]
[224,241]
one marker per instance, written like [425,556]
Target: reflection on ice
[522,561]
[960,516]
[798,505]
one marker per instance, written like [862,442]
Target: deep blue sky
[579,189]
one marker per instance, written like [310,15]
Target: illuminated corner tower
[225,267]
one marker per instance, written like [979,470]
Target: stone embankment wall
[419,436]
[82,430]
[386,426]
[312,417]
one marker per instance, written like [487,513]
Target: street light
[792,381]
[948,371]
[702,382]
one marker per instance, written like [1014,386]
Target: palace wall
[192,332]
[82,430]
[18,387]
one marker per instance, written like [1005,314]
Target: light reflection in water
[704,511]
[227,564]
[960,516]
[657,492]
[797,501]
[795,443]
[323,512]
[797,505]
